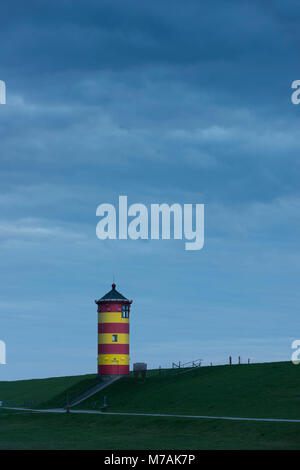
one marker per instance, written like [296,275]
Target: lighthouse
[113,333]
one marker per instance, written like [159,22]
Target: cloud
[187,104]
[36,229]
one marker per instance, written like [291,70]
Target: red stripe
[113,348]
[113,327]
[110,307]
[113,370]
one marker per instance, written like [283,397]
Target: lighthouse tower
[113,333]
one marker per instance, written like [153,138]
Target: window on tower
[114,338]
[125,311]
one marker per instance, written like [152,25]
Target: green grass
[269,390]
[28,430]
[37,391]
[73,391]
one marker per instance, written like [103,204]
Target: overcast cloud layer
[164,102]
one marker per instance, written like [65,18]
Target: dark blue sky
[168,101]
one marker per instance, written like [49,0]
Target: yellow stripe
[107,338]
[111,317]
[110,359]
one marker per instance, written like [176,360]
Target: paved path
[230,418]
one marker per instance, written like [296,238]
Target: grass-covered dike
[269,390]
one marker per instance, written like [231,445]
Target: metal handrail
[179,365]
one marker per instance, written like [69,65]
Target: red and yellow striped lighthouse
[113,333]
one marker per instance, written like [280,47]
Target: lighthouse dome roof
[113,295]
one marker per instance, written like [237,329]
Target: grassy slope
[256,390]
[270,390]
[28,430]
[73,391]
[41,390]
